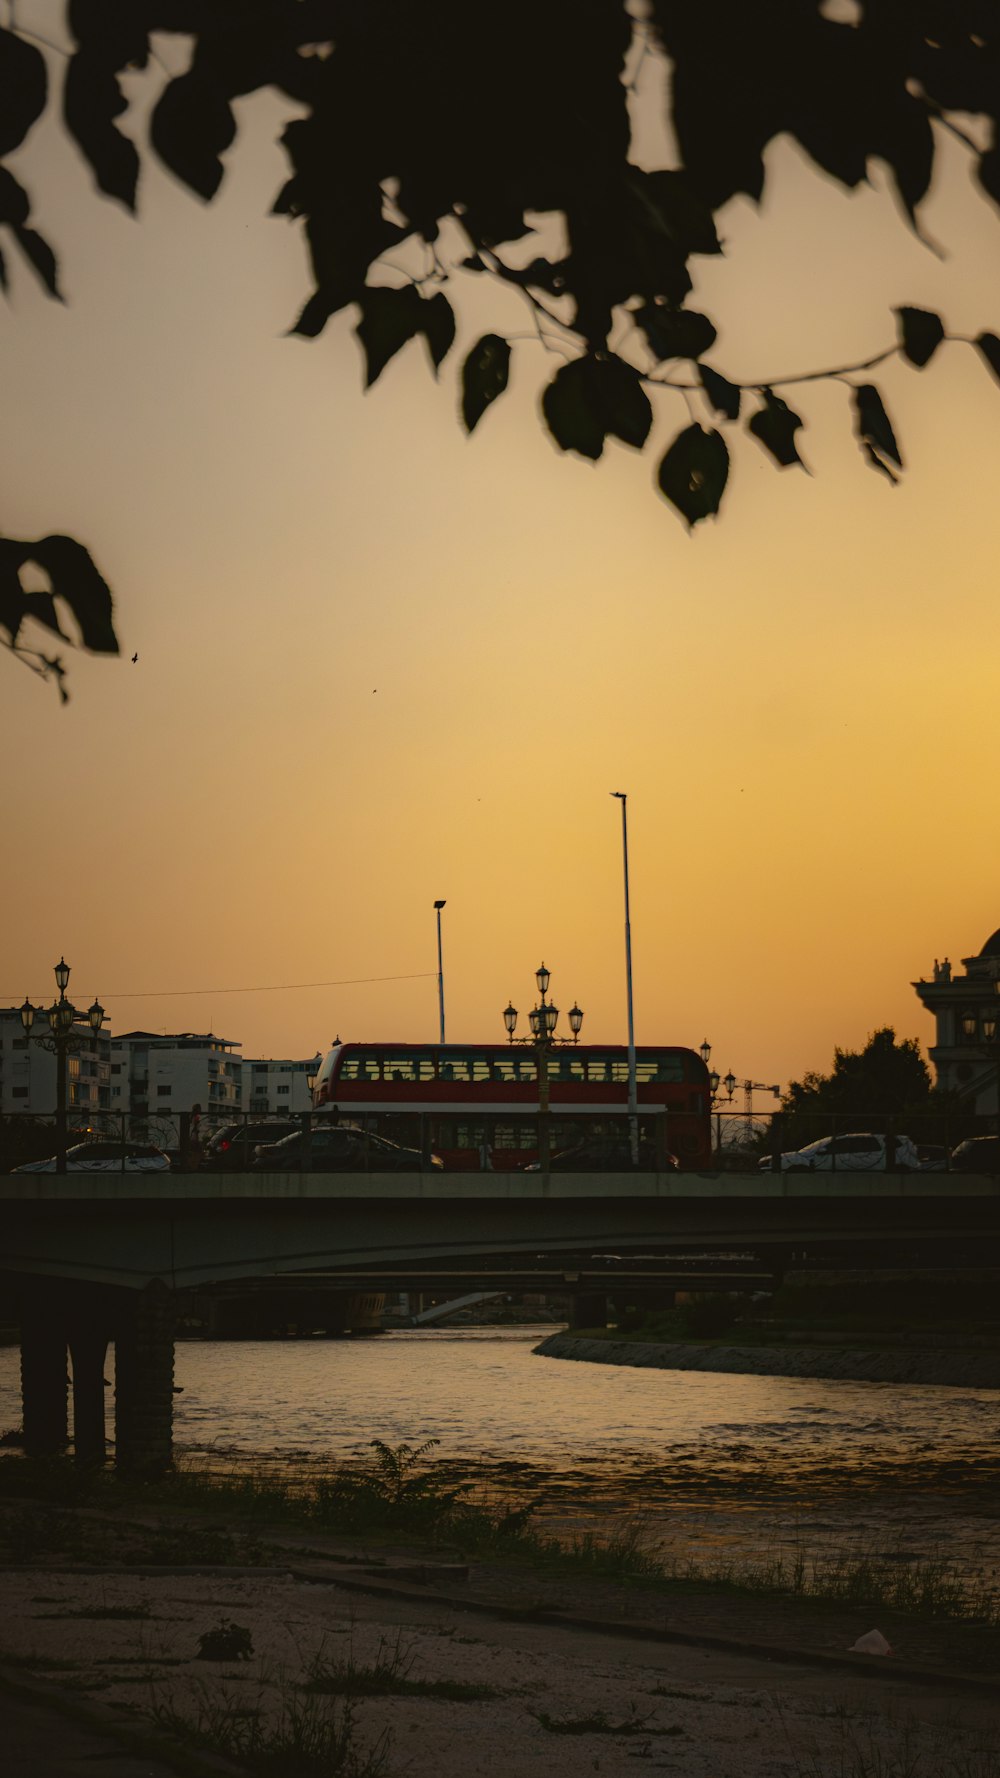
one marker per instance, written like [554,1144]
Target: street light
[438,905]
[61,1016]
[633,1091]
[543,1019]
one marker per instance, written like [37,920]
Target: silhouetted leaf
[675,333]
[724,396]
[694,472]
[41,606]
[619,399]
[437,324]
[40,256]
[92,98]
[192,125]
[989,347]
[389,317]
[569,412]
[11,590]
[15,207]
[484,377]
[989,173]
[74,578]
[23,89]
[776,424]
[920,333]
[874,427]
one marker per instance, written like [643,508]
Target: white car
[104,1157]
[859,1152]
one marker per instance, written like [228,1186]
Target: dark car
[977,1154]
[607,1154]
[232,1148]
[341,1149]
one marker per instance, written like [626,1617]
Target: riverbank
[959,1369]
[292,1651]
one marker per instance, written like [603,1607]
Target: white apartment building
[159,1074]
[28,1069]
[278,1086]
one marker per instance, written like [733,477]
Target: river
[710,1463]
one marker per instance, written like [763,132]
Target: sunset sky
[381,663]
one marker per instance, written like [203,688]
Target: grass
[388,1675]
[398,1493]
[599,1723]
[306,1737]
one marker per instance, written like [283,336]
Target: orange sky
[380,663]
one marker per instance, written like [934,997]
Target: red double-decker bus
[477,1104]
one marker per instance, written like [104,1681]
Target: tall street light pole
[543,1020]
[61,1016]
[633,1093]
[438,905]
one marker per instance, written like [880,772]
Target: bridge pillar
[88,1347]
[43,1376]
[144,1382]
[589,1308]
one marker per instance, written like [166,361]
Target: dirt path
[554,1699]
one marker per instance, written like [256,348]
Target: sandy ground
[665,1708]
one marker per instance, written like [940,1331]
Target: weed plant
[388,1675]
[305,1737]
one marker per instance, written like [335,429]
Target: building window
[19,1043]
[19,1092]
[163,1092]
[283,1089]
[116,1067]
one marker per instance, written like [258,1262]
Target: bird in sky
[135,657]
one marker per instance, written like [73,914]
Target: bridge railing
[99,1139]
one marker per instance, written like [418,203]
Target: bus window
[598,1069]
[525,1069]
[453,1068]
[399,1068]
[350,1068]
[647,1070]
[507,1136]
[619,1070]
[505,1067]
[482,1068]
[424,1067]
[370,1068]
[669,1068]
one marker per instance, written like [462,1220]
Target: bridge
[98,1257]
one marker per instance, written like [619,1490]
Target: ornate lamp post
[543,1020]
[61,1016]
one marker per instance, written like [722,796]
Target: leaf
[920,334]
[437,324]
[39,254]
[41,606]
[191,126]
[23,89]
[694,472]
[776,424]
[484,377]
[389,317]
[74,578]
[675,333]
[619,399]
[15,206]
[92,98]
[988,346]
[724,396]
[874,427]
[569,412]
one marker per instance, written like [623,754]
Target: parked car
[232,1148]
[105,1157]
[857,1152]
[340,1149]
[977,1154]
[933,1157]
[606,1154]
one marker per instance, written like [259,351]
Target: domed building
[966,1008]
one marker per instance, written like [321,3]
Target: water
[732,1464]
